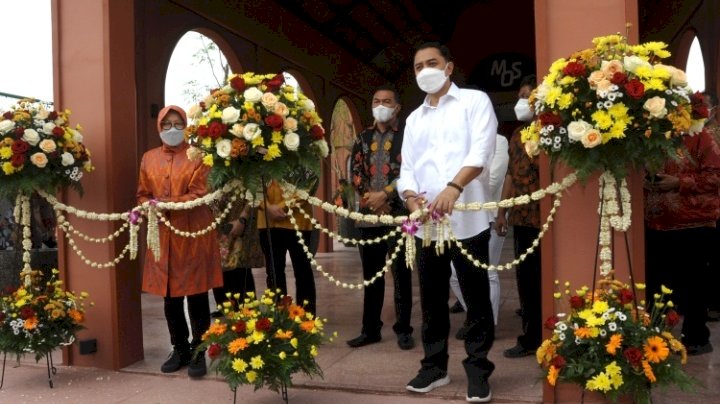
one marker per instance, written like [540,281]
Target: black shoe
[428,379]
[363,340]
[405,341]
[178,358]
[519,312]
[518,351]
[694,350]
[462,333]
[216,314]
[478,391]
[197,367]
[456,308]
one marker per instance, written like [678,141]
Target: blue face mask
[172,137]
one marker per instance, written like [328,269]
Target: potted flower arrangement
[256,127]
[613,107]
[39,150]
[263,341]
[609,344]
[40,317]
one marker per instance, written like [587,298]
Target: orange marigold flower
[31,323]
[614,343]
[76,315]
[217,328]
[647,369]
[237,345]
[552,376]
[280,334]
[583,332]
[656,349]
[295,311]
[307,326]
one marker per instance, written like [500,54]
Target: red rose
[551,321]
[263,324]
[20,147]
[634,356]
[635,89]
[58,132]
[202,131]
[285,302]
[274,121]
[700,111]
[274,83]
[577,302]
[52,116]
[619,78]
[574,69]
[214,351]
[17,160]
[548,118]
[317,132]
[558,362]
[697,98]
[672,318]
[8,115]
[240,327]
[19,132]
[237,83]
[625,296]
[2,316]
[216,129]
[26,312]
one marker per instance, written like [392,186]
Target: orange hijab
[164,111]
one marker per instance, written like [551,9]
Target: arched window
[695,68]
[196,67]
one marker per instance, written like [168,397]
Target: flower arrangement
[39,150]
[612,107]
[611,345]
[255,127]
[264,341]
[39,318]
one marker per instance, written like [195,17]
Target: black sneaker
[478,391]
[197,367]
[518,351]
[428,379]
[363,339]
[405,341]
[456,308]
[177,359]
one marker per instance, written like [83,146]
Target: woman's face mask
[172,137]
[522,110]
[431,80]
[382,113]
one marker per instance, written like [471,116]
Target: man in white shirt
[448,142]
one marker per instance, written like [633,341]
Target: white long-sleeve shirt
[438,141]
[498,168]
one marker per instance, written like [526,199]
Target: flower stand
[51,369]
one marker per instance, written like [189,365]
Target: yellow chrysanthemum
[256,362]
[566,100]
[600,382]
[654,84]
[614,343]
[282,355]
[313,351]
[602,119]
[530,133]
[587,332]
[655,349]
[273,152]
[5,152]
[8,168]
[665,290]
[251,376]
[276,137]
[237,345]
[258,142]
[553,96]
[208,160]
[239,365]
[257,337]
[294,343]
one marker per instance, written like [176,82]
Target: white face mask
[522,110]
[172,137]
[382,113]
[431,80]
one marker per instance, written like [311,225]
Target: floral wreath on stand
[610,109]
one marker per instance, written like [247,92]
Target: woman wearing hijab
[187,267]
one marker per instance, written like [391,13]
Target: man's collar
[394,127]
[453,92]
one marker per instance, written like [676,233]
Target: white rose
[230,115]
[252,94]
[67,159]
[306,104]
[48,128]
[42,113]
[6,126]
[48,146]
[591,139]
[322,147]
[292,141]
[578,129]
[223,148]
[251,131]
[77,136]
[631,63]
[531,148]
[237,130]
[31,136]
[290,124]
[656,107]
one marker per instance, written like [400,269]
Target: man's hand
[501,227]
[414,203]
[375,200]
[275,212]
[238,228]
[445,201]
[666,183]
